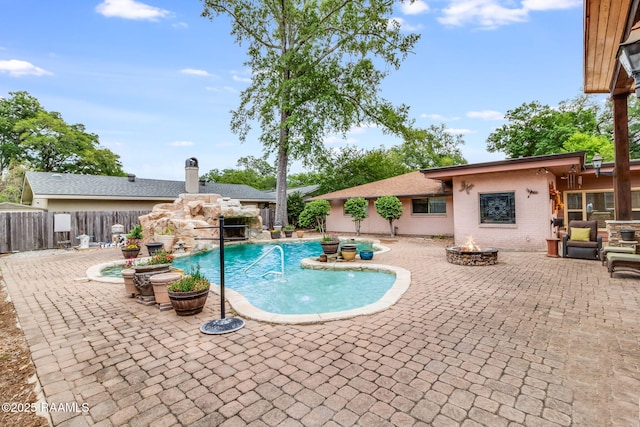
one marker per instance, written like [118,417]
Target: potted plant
[300,234]
[315,215]
[288,230]
[275,234]
[330,244]
[189,294]
[132,242]
[159,263]
[166,237]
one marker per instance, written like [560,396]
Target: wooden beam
[622,174]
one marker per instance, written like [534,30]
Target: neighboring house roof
[15,207]
[409,184]
[307,189]
[66,185]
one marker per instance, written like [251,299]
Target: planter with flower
[159,263]
[188,295]
[288,230]
[275,234]
[132,244]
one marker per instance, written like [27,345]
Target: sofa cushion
[580,234]
[581,244]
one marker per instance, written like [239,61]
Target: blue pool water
[302,291]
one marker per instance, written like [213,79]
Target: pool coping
[245,309]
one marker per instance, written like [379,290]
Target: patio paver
[530,341]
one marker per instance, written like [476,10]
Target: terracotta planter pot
[142,277]
[129,285]
[160,283]
[331,247]
[130,253]
[300,234]
[166,240]
[188,303]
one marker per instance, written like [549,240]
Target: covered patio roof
[607,23]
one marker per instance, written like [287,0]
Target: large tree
[316,68]
[535,129]
[431,147]
[18,106]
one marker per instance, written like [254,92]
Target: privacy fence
[28,231]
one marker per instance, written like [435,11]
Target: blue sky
[156,81]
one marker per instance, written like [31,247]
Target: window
[597,205]
[431,205]
[498,208]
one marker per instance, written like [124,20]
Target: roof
[16,207]
[66,185]
[555,163]
[607,23]
[304,190]
[409,184]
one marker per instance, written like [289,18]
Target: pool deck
[532,341]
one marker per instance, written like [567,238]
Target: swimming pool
[300,290]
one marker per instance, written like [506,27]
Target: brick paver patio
[532,341]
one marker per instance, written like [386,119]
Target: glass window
[574,201]
[431,205]
[498,208]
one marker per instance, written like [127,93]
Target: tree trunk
[391,226]
[281,177]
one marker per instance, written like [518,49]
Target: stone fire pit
[463,256]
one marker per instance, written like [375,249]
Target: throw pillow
[580,234]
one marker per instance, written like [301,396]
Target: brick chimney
[191,176]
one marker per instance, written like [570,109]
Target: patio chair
[582,240]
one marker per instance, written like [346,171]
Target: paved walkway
[532,341]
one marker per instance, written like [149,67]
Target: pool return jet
[221,325]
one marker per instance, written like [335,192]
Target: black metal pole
[221,220]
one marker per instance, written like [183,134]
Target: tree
[389,208]
[430,148]
[350,166]
[19,106]
[591,144]
[315,214]
[49,144]
[317,68]
[357,208]
[536,129]
[11,183]
[256,173]
[295,206]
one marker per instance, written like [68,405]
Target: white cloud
[486,115]
[438,117]
[415,8]
[551,4]
[194,72]
[404,25]
[491,14]
[487,14]
[459,131]
[340,140]
[228,89]
[181,144]
[131,9]
[237,78]
[17,68]
[180,25]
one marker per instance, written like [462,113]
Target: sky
[156,81]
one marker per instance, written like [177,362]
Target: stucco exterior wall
[408,224]
[533,211]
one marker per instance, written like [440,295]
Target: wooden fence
[27,231]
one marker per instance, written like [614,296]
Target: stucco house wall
[533,210]
[408,224]
[79,205]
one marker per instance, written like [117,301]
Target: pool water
[301,291]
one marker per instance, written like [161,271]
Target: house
[427,206]
[65,192]
[507,204]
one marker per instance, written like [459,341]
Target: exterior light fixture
[629,56]
[596,162]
